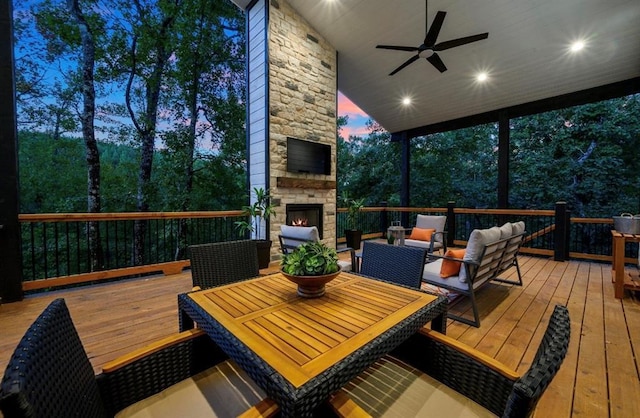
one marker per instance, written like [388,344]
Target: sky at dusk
[357,118]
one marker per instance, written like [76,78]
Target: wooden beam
[595,94]
[297,183]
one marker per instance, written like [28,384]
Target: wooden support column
[503,160]
[10,255]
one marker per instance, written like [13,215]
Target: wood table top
[301,338]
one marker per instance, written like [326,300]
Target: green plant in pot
[261,210]
[352,233]
[311,265]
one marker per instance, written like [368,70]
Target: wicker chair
[49,375]
[431,373]
[222,263]
[402,265]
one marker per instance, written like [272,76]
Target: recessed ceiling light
[482,76]
[576,46]
[406,101]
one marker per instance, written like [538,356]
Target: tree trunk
[188,174]
[88,133]
[146,128]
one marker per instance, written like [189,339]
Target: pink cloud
[357,117]
[347,107]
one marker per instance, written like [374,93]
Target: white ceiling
[526,54]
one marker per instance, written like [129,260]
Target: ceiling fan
[429,47]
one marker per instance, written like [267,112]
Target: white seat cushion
[224,390]
[391,388]
[305,233]
[344,265]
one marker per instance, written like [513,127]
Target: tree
[87,116]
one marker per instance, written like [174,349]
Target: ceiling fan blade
[407,62]
[437,62]
[398,48]
[460,41]
[434,31]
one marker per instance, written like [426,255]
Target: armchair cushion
[478,239]
[451,267]
[299,234]
[393,388]
[421,234]
[223,390]
[431,221]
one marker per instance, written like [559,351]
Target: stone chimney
[292,93]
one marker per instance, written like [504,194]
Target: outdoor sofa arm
[443,241]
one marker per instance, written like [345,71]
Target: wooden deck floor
[599,378]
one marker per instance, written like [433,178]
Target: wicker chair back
[49,374]
[402,265]
[222,263]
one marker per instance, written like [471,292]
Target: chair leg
[476,315]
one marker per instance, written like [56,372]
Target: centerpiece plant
[311,259]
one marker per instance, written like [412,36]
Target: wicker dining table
[300,350]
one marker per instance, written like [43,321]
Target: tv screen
[308,157]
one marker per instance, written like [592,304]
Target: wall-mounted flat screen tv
[308,157]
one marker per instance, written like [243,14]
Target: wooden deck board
[600,376]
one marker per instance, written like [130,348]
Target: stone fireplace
[305,215]
[292,95]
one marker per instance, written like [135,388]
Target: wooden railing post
[562,233]
[451,223]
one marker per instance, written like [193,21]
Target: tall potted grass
[352,234]
[261,210]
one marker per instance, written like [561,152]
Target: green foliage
[354,206]
[261,209]
[311,259]
[584,155]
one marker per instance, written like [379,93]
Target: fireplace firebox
[305,215]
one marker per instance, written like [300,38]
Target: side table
[620,279]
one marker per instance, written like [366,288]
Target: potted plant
[352,233]
[311,265]
[260,210]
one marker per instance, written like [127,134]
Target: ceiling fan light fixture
[430,46]
[426,53]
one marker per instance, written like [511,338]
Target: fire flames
[299,222]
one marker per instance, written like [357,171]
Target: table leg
[439,323]
[618,266]
[184,321]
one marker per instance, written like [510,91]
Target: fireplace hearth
[305,215]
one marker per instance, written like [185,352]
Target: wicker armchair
[432,373]
[49,375]
[222,263]
[402,265]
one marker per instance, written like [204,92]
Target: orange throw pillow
[421,234]
[449,267]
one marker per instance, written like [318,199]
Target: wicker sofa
[489,253]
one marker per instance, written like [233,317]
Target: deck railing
[55,247]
